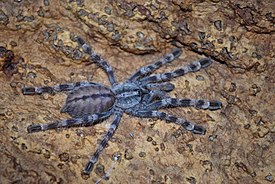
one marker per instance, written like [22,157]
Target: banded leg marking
[96,58]
[166,86]
[155,94]
[90,165]
[86,121]
[53,89]
[152,67]
[193,67]
[174,102]
[196,129]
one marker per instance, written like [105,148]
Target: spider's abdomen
[88,100]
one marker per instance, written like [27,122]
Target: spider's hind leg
[90,165]
[54,89]
[86,120]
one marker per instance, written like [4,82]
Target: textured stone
[239,144]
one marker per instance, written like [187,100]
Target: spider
[142,95]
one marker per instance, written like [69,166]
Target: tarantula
[141,96]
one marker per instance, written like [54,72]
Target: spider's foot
[199,130]
[88,169]
[176,52]
[80,41]
[34,128]
[204,104]
[29,91]
[196,129]
[86,48]
[205,62]
[215,105]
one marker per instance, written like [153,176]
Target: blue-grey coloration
[142,95]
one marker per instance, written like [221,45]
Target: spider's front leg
[90,165]
[157,91]
[155,94]
[165,86]
[174,102]
[146,70]
[193,67]
[196,129]
[54,89]
[85,121]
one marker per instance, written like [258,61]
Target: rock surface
[36,49]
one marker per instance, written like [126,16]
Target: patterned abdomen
[88,100]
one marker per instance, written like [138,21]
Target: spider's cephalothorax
[142,95]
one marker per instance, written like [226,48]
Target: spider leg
[103,143]
[152,67]
[96,58]
[157,90]
[53,89]
[196,129]
[174,102]
[86,121]
[193,67]
[148,98]
[166,86]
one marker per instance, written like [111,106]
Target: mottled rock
[239,36]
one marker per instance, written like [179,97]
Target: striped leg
[155,94]
[174,102]
[90,165]
[86,121]
[53,89]
[162,61]
[166,86]
[96,58]
[193,67]
[196,129]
